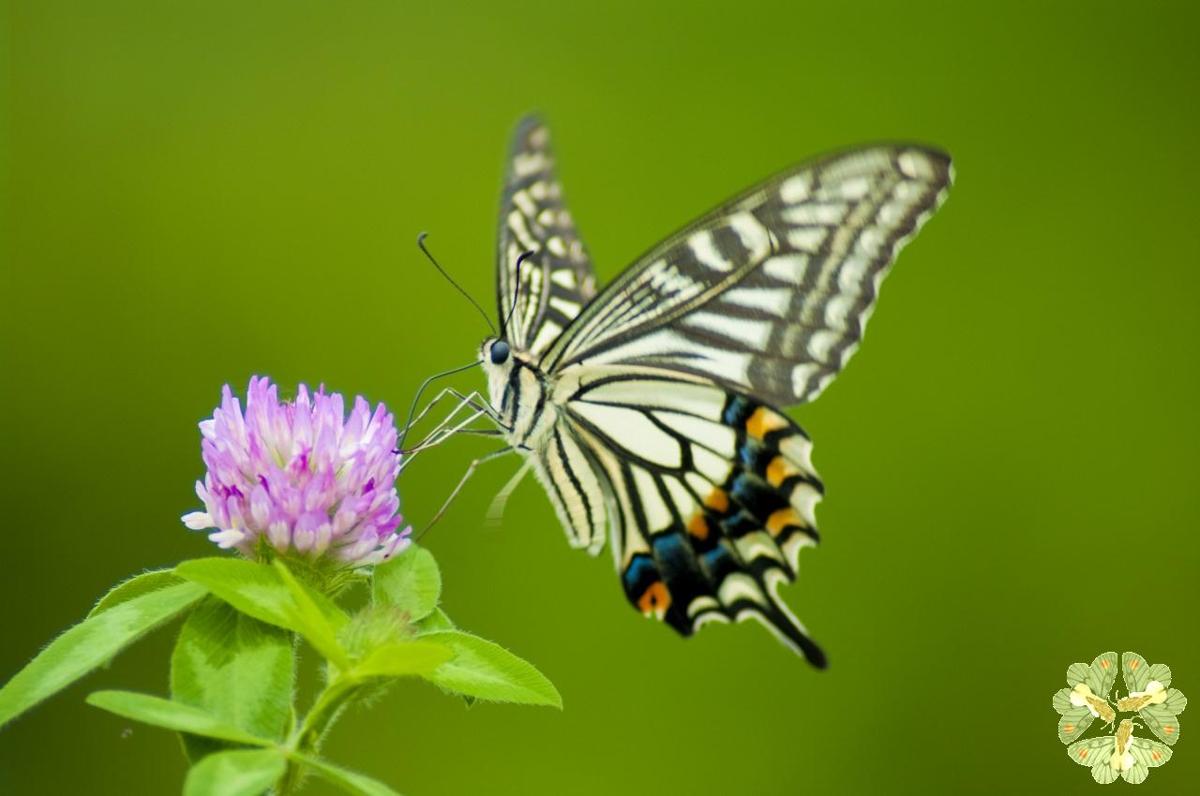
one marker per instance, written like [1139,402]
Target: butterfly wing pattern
[1096,754]
[1161,715]
[1147,754]
[556,277]
[767,295]
[666,437]
[712,496]
[1099,677]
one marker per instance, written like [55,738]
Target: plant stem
[337,695]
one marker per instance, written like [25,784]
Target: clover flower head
[301,477]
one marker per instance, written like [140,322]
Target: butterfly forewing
[1162,721]
[556,278]
[767,295]
[1074,723]
[1102,674]
[1135,671]
[1096,754]
[1149,753]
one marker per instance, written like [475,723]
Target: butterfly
[1151,696]
[1086,696]
[649,409]
[1121,755]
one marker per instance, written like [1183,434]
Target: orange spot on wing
[781,519]
[1083,753]
[698,526]
[1069,728]
[1133,664]
[779,470]
[764,421]
[1155,754]
[1169,729]
[717,500]
[1104,664]
[655,600]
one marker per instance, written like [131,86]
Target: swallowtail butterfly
[649,409]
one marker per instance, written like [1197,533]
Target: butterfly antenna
[516,292]
[421,245]
[420,391]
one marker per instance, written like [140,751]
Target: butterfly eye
[499,352]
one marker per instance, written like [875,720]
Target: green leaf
[91,643]
[434,622]
[237,668]
[135,587]
[172,715]
[403,658]
[259,591]
[488,671]
[349,781]
[318,628]
[410,581]
[239,773]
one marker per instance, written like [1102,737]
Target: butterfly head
[497,358]
[498,351]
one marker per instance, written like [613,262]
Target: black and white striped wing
[709,496]
[556,280]
[768,294]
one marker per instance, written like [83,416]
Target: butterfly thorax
[1154,694]
[1122,760]
[518,391]
[1099,706]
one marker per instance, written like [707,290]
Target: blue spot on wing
[638,576]
[737,410]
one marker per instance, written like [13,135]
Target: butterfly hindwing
[1077,673]
[556,278]
[1162,673]
[768,294]
[1061,701]
[578,489]
[714,497]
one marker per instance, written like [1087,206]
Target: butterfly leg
[473,400]
[487,457]
[463,400]
[444,430]
[431,442]
[496,509]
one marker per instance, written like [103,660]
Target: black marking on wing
[768,294]
[677,572]
[556,280]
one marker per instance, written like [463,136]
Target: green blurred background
[201,191]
